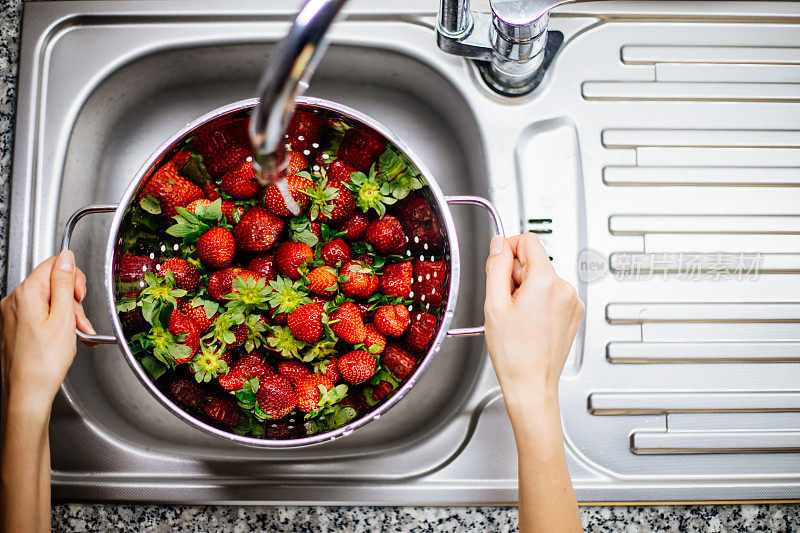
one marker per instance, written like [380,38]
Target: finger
[83,323]
[36,288]
[516,272]
[80,285]
[498,274]
[532,255]
[62,286]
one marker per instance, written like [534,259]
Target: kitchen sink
[661,129]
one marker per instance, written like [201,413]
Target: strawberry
[386,236]
[257,230]
[233,213]
[379,392]
[335,252]
[181,158]
[347,324]
[185,273]
[273,199]
[211,191]
[222,410]
[309,392]
[264,266]
[171,190]
[276,397]
[359,149]
[398,361]
[241,332]
[421,331]
[291,256]
[392,320]
[187,393]
[361,280]
[293,370]
[329,370]
[247,367]
[374,342]
[224,147]
[356,366]
[322,281]
[220,282]
[280,429]
[296,162]
[305,129]
[340,171]
[180,324]
[396,279]
[356,227]
[306,322]
[420,225]
[216,247]
[331,202]
[132,268]
[133,321]
[197,313]
[429,282]
[199,204]
[240,181]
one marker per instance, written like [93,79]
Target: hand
[38,321]
[532,316]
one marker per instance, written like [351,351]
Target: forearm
[25,499]
[546,499]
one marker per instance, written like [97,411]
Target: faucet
[512,41]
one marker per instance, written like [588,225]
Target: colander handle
[498,230]
[70,227]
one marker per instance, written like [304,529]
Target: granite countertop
[81,517]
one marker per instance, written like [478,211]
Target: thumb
[62,286]
[498,274]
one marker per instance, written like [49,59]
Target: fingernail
[66,261]
[496,246]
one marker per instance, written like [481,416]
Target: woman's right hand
[532,316]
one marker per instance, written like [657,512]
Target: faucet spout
[287,76]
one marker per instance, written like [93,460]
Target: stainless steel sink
[642,139]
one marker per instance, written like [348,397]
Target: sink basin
[661,128]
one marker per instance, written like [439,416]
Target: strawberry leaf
[150,204]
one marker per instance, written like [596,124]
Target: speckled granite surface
[158,518]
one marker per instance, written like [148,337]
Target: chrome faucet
[511,41]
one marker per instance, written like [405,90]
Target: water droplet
[315,145]
[306,152]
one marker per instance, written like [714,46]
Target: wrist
[29,408]
[531,406]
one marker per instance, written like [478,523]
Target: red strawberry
[133,321]
[361,279]
[392,320]
[366,310]
[429,282]
[340,171]
[386,235]
[356,366]
[224,147]
[216,247]
[375,342]
[274,201]
[264,266]
[420,225]
[293,370]
[240,181]
[306,322]
[308,391]
[359,149]
[330,371]
[198,315]
[257,230]
[202,202]
[336,252]
[356,227]
[421,332]
[396,279]
[398,361]
[290,256]
[186,275]
[181,324]
[347,324]
[132,268]
[222,410]
[380,391]
[221,281]
[276,397]
[332,203]
[241,332]
[322,281]
[187,393]
[233,213]
[181,158]
[296,162]
[171,190]
[247,367]
[211,191]
[305,129]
